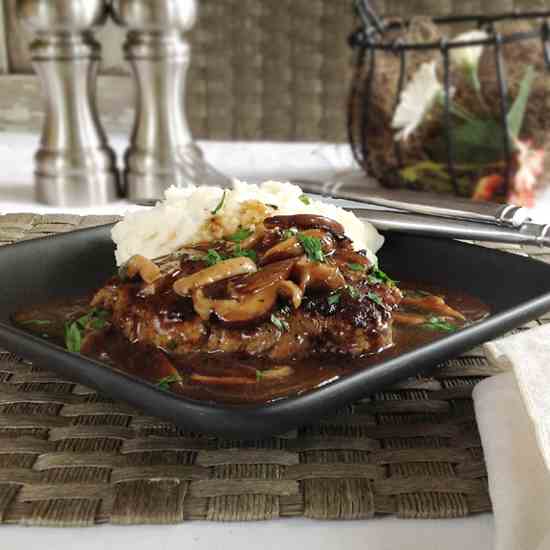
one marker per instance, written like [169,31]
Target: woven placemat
[71,457]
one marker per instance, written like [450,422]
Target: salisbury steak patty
[291,288]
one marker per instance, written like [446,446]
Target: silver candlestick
[162,151]
[74,165]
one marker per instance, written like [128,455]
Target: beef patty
[291,288]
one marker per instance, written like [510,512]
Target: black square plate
[34,272]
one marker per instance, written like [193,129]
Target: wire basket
[429,110]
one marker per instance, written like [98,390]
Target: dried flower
[468,57]
[530,166]
[417,99]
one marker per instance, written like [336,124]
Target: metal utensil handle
[416,224]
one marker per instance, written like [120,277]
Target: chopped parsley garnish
[213,257]
[167,381]
[334,299]
[312,247]
[96,319]
[36,322]
[305,199]
[280,324]
[439,324]
[353,292]
[378,276]
[220,204]
[356,267]
[239,252]
[373,297]
[289,233]
[259,375]
[240,235]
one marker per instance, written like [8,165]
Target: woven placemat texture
[71,457]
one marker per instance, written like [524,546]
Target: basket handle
[368,16]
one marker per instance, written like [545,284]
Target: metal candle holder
[162,151]
[371,38]
[74,165]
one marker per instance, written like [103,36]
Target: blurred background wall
[261,69]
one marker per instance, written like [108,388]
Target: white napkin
[513,415]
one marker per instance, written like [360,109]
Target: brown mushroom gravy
[231,378]
[274,310]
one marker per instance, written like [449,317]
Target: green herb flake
[220,204]
[305,199]
[280,324]
[373,297]
[167,381]
[289,233]
[439,324]
[240,253]
[36,322]
[378,276]
[240,235]
[356,267]
[172,344]
[334,299]
[353,292]
[213,257]
[312,247]
[259,375]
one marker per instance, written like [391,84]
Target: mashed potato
[194,214]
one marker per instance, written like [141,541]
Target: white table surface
[252,162]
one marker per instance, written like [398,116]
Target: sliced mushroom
[254,239]
[218,272]
[291,248]
[292,292]
[318,276]
[432,304]
[255,282]
[349,256]
[306,221]
[141,265]
[253,309]
[409,319]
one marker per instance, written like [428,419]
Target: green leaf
[281,324]
[517,112]
[240,235]
[259,375]
[167,381]
[356,267]
[36,322]
[373,297]
[312,247]
[305,199]
[478,141]
[73,337]
[334,299]
[220,204]
[440,325]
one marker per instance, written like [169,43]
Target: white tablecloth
[252,162]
